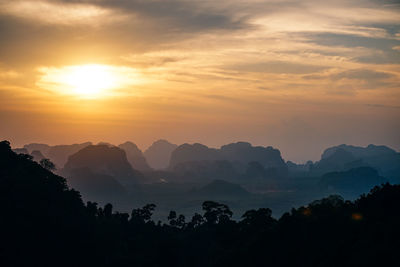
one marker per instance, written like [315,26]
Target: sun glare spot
[90,80]
[357,216]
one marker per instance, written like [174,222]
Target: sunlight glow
[90,80]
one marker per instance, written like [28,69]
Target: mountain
[135,156]
[36,154]
[344,157]
[159,153]
[44,148]
[360,152]
[336,161]
[206,170]
[59,154]
[105,143]
[95,186]
[299,169]
[105,160]
[194,152]
[256,171]
[245,152]
[352,182]
[240,152]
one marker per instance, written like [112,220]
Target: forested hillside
[44,223]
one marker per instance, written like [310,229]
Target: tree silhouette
[172,218]
[258,218]
[196,221]
[47,164]
[142,215]
[215,212]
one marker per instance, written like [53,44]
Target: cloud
[362,74]
[121,28]
[383,106]
[182,16]
[348,82]
[151,60]
[378,50]
[57,12]
[277,67]
[302,49]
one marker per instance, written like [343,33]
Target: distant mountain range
[360,152]
[108,171]
[240,154]
[57,154]
[344,157]
[239,174]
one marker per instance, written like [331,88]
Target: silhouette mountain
[360,152]
[344,157]
[135,156]
[206,170]
[240,152]
[105,160]
[194,152]
[245,152]
[336,161]
[95,186]
[299,169]
[256,171]
[105,143]
[59,154]
[159,153]
[44,148]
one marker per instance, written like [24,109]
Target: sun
[90,80]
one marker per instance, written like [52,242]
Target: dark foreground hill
[44,223]
[41,219]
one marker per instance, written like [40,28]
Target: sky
[296,75]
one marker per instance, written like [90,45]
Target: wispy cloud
[55,12]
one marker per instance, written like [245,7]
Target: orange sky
[297,75]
